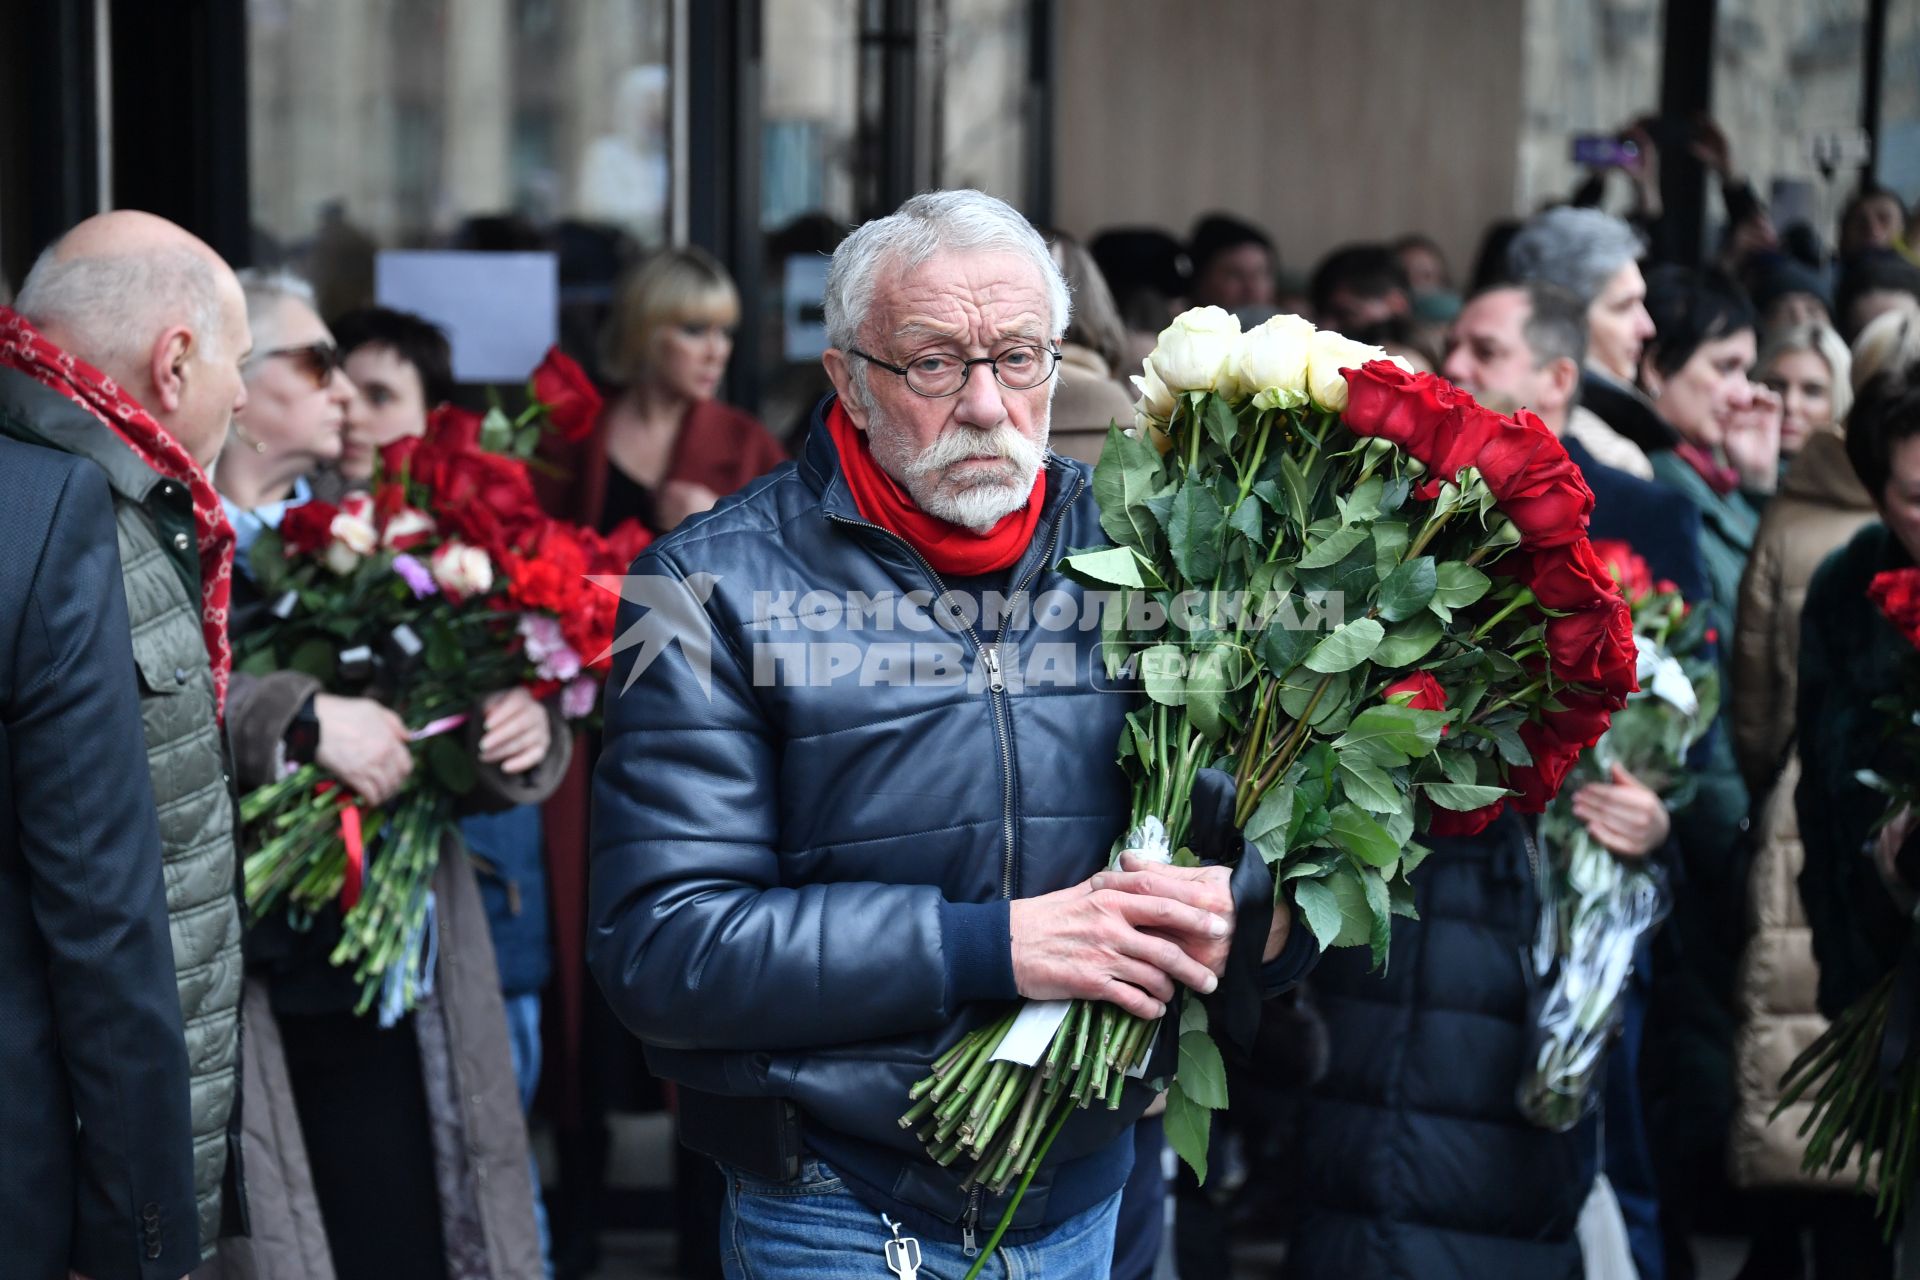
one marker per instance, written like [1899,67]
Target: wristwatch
[303,735]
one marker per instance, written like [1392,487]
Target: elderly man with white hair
[126,350]
[858,785]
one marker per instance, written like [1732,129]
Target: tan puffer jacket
[1820,505]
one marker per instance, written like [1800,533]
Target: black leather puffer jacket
[801,869]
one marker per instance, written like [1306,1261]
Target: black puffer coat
[1416,1160]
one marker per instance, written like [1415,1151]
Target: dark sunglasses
[317,360]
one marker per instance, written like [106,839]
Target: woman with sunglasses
[403,1145]
[665,449]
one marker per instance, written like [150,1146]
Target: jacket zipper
[968,1245]
[990,655]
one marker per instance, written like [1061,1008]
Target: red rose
[306,529]
[1583,717]
[1537,485]
[1897,593]
[1409,409]
[453,429]
[487,498]
[1571,578]
[1629,569]
[1426,691]
[573,405]
[1446,822]
[1595,647]
[1538,783]
[1462,437]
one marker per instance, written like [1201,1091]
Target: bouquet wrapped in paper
[1594,907]
[442,586]
[1367,599]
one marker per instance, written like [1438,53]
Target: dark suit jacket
[96,1156]
[1660,523]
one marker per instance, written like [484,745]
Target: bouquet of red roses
[443,585]
[1364,596]
[1864,1100]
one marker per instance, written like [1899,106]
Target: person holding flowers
[810,882]
[432,1091]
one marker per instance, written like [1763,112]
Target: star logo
[673,608]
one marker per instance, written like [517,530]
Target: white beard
[977,498]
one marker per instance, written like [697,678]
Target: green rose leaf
[1267,827]
[1351,644]
[1245,521]
[1367,784]
[1408,642]
[1203,1076]
[1336,907]
[1110,567]
[1390,734]
[1297,492]
[1187,1127]
[1128,475]
[1458,584]
[1315,864]
[1462,797]
[1407,589]
[1193,532]
[1389,542]
[1362,837]
[1363,504]
[1335,547]
[1221,424]
[1163,670]
[1380,907]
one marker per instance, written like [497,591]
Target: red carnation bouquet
[1866,1093]
[1595,908]
[442,586]
[1364,596]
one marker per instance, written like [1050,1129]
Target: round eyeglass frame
[966,370]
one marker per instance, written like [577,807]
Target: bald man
[125,349]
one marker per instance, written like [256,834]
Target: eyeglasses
[317,360]
[937,375]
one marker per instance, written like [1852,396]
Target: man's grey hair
[264,291]
[1577,249]
[961,221]
[111,308]
[1556,327]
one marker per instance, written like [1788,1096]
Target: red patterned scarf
[25,349]
[949,548]
[1720,478]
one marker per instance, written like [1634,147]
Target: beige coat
[1819,506]
[1088,400]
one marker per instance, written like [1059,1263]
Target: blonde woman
[665,449]
[1092,392]
[1808,367]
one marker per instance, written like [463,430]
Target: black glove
[1234,1007]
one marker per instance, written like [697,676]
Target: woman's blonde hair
[1096,319]
[1820,339]
[671,287]
[1889,344]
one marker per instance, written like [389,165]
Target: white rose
[462,570]
[1155,400]
[353,529]
[1327,355]
[1145,427]
[1197,351]
[340,558]
[408,528]
[1274,356]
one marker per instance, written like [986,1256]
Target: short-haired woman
[665,449]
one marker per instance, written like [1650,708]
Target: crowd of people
[790,895]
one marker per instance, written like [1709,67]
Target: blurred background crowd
[1688,235]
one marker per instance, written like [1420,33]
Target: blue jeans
[523,1037]
[816,1229]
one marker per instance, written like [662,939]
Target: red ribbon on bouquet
[356,855]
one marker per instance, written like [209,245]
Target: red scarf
[1721,479]
[25,349]
[949,548]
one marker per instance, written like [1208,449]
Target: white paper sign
[501,311]
[1032,1031]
